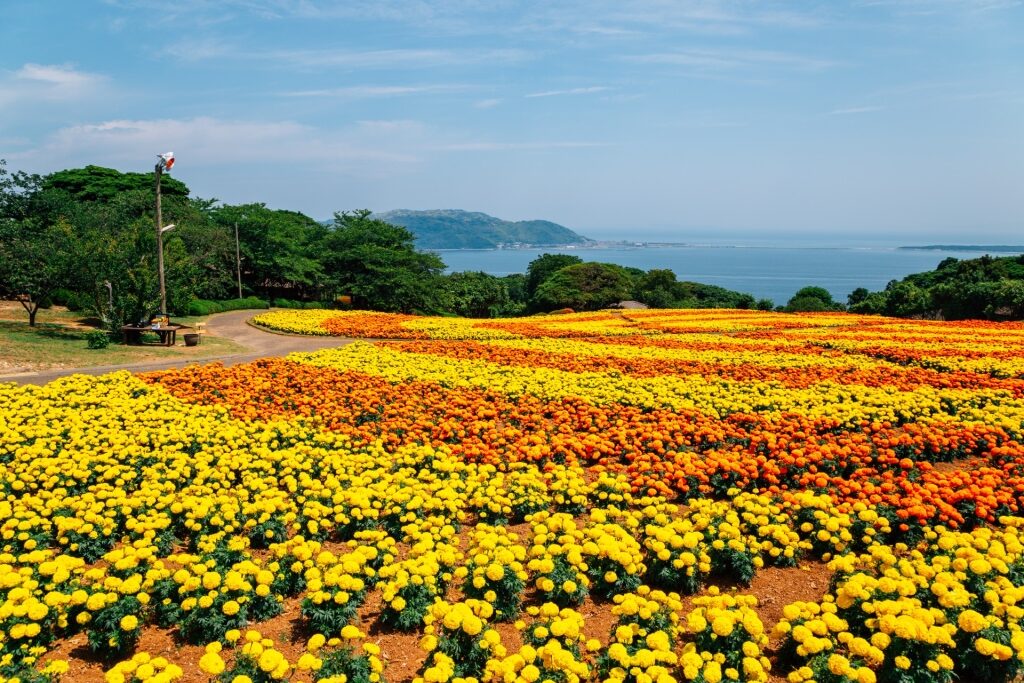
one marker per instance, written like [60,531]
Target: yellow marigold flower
[211,663]
[722,626]
[971,621]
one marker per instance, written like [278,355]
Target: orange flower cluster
[901,469]
[899,377]
[373,326]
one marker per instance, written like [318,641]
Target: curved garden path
[232,325]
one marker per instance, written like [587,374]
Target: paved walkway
[232,325]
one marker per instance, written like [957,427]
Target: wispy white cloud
[357,92]
[374,147]
[61,76]
[571,91]
[193,49]
[723,16]
[936,7]
[208,141]
[856,110]
[365,59]
[725,59]
[488,103]
[210,48]
[483,146]
[609,31]
[47,83]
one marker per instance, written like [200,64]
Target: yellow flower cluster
[549,622]
[830,531]
[332,659]
[495,571]
[143,668]
[652,610]
[458,640]
[729,640]
[257,655]
[296,321]
[556,558]
[548,662]
[614,559]
[948,608]
[635,655]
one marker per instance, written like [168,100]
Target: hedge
[290,303]
[207,307]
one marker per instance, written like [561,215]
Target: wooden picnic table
[132,334]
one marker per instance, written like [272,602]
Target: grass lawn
[58,341]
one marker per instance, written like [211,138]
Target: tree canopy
[584,287]
[478,295]
[983,288]
[99,184]
[544,266]
[812,299]
[378,265]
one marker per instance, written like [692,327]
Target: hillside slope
[456,229]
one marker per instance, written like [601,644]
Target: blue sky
[627,118]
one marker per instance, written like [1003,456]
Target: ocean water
[769,272]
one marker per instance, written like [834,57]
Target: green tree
[99,184]
[700,295]
[906,300]
[113,217]
[279,249]
[857,296]
[584,287]
[38,244]
[378,265]
[515,283]
[872,304]
[36,259]
[18,192]
[812,299]
[1005,300]
[543,267]
[658,288]
[199,256]
[476,295]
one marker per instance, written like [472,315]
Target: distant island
[457,229]
[995,248]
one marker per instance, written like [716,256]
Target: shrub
[301,305]
[209,307]
[97,339]
[77,302]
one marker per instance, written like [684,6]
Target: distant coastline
[592,244]
[993,248]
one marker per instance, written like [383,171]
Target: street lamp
[165,164]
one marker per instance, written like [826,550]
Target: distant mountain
[456,229]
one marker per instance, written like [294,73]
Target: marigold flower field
[644,497]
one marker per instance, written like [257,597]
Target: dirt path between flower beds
[232,325]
